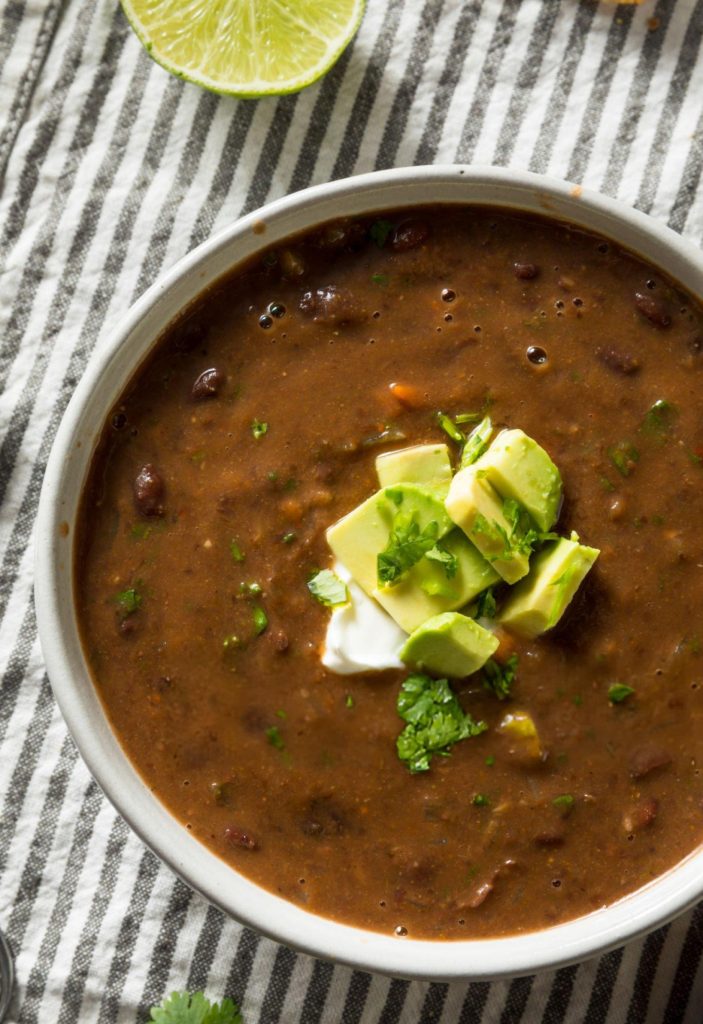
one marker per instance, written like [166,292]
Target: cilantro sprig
[498,679]
[473,444]
[434,721]
[407,544]
[326,587]
[184,1008]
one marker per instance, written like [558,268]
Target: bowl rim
[433,960]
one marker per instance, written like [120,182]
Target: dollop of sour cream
[361,636]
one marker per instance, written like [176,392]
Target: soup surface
[255,425]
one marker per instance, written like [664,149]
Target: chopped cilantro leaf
[260,620]
[565,803]
[289,537]
[349,702]
[486,607]
[381,279]
[497,678]
[449,427]
[490,760]
[140,531]
[406,546]
[250,589]
[379,231]
[659,417]
[130,601]
[624,456]
[435,720]
[274,737]
[235,551]
[618,692]
[281,713]
[481,800]
[259,428]
[184,1008]
[440,554]
[328,589]
[477,442]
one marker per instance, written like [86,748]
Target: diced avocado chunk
[449,644]
[426,590]
[358,537]
[540,600]
[426,464]
[520,727]
[517,467]
[476,507]
[422,502]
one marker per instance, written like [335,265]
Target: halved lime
[246,48]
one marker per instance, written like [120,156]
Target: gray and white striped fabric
[110,170]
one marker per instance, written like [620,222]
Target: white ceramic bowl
[103,381]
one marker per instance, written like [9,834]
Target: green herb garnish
[235,551]
[481,800]
[349,701]
[259,428]
[289,537]
[449,427]
[486,607]
[624,456]
[250,589]
[565,803]
[435,720]
[328,589]
[260,620]
[450,562]
[618,692]
[477,442]
[379,231]
[130,601]
[407,544]
[497,678]
[140,531]
[490,760]
[184,1008]
[659,417]
[381,279]
[274,737]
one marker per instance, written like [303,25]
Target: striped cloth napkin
[110,170]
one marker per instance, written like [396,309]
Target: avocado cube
[425,590]
[449,644]
[426,464]
[539,601]
[357,539]
[517,467]
[474,506]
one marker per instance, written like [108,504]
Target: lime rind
[246,48]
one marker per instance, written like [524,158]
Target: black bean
[549,837]
[149,491]
[525,271]
[409,235]
[653,309]
[208,384]
[648,759]
[621,362]
[641,815]
[236,837]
